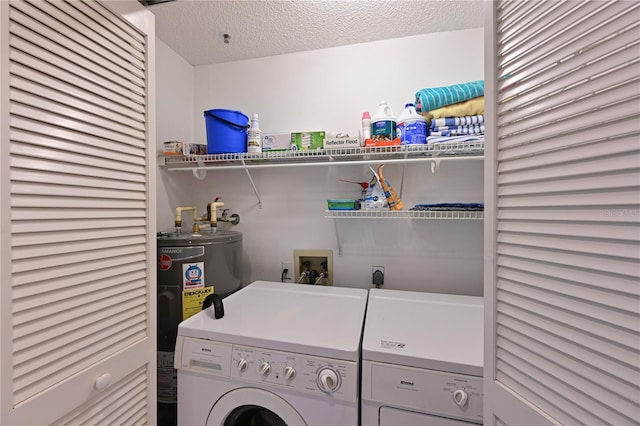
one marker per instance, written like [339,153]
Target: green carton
[304,141]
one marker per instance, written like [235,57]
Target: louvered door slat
[33,276]
[74,169]
[67,85]
[76,322]
[72,283]
[551,284]
[34,69]
[599,92]
[42,250]
[574,38]
[39,58]
[612,141]
[578,124]
[535,29]
[562,191]
[84,39]
[100,111]
[88,118]
[19,214]
[73,180]
[50,29]
[59,119]
[589,279]
[103,284]
[83,223]
[610,401]
[590,230]
[29,131]
[79,258]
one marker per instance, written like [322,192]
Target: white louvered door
[562,227]
[77,222]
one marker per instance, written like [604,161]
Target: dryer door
[251,406]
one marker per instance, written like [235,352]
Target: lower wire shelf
[404,214]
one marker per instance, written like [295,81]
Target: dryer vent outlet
[313,266]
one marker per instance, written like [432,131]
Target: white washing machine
[283,354]
[422,357]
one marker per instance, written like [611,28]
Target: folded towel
[463,138]
[473,106]
[437,97]
[458,121]
[449,206]
[477,129]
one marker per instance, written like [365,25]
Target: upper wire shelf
[326,156]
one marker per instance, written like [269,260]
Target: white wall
[174,121]
[328,90]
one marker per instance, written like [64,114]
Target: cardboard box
[304,141]
[338,143]
[371,142]
[184,148]
[276,141]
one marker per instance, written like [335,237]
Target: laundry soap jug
[411,127]
[383,124]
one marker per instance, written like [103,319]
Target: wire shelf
[327,156]
[405,214]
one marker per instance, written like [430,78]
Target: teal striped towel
[437,97]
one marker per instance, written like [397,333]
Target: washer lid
[441,332]
[314,320]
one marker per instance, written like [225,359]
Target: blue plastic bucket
[226,131]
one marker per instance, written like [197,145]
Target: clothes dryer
[283,354]
[422,357]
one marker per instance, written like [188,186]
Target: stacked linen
[455,113]
[457,126]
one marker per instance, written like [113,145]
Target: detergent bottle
[411,126]
[383,124]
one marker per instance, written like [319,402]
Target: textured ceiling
[194,28]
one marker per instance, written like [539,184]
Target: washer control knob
[460,397]
[289,373]
[265,369]
[242,365]
[328,380]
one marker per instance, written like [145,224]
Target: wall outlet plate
[314,258]
[290,272]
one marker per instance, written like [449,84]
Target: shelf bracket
[199,173]
[335,225]
[253,185]
[435,162]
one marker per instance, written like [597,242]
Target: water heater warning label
[192,275]
[192,301]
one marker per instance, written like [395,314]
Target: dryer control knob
[328,380]
[243,365]
[289,373]
[460,397]
[265,369]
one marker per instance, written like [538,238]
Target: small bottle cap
[365,115]
[255,116]
[408,105]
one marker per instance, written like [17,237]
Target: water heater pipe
[178,218]
[212,210]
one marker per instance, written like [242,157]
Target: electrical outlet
[377,275]
[289,267]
